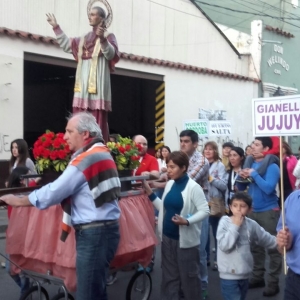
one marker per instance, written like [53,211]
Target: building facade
[174,62]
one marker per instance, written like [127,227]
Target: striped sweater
[101,174]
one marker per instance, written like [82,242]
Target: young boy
[235,235]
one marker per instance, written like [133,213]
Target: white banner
[218,128]
[276,116]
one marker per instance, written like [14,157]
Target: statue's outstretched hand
[51,20]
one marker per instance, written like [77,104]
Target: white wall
[172,30]
[142,28]
[186,92]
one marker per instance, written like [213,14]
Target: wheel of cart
[38,292]
[140,286]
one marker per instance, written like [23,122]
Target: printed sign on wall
[217,128]
[200,126]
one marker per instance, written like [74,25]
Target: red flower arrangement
[51,152]
[125,153]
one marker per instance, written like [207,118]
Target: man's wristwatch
[188,223]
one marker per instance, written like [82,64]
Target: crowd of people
[242,190]
[235,194]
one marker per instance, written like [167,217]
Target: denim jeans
[214,222]
[292,284]
[234,289]
[203,254]
[22,281]
[95,248]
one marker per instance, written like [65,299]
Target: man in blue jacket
[266,213]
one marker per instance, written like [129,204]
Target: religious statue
[96,54]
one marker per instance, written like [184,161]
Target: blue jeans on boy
[96,247]
[234,289]
[203,254]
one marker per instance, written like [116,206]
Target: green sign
[200,126]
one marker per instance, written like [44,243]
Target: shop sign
[277,61]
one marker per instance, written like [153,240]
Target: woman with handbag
[216,192]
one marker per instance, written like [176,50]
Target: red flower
[135,157]
[60,135]
[62,154]
[57,143]
[45,153]
[47,142]
[54,155]
[122,149]
[51,146]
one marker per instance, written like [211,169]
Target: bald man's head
[141,140]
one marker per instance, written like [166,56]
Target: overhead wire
[246,12]
[297,18]
[279,18]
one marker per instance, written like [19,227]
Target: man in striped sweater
[92,183]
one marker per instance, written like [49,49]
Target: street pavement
[10,291]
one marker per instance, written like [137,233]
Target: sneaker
[271,290]
[111,279]
[3,264]
[253,284]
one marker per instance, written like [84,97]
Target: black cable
[246,12]
[272,7]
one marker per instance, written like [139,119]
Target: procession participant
[216,189]
[235,235]
[20,156]
[198,171]
[91,180]
[236,161]
[290,238]
[269,157]
[248,150]
[182,208]
[289,163]
[265,212]
[149,164]
[162,163]
[96,54]
[148,167]
[226,147]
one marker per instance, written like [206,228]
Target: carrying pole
[282,200]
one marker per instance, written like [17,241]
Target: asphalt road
[10,291]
